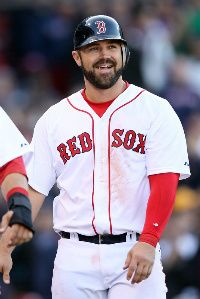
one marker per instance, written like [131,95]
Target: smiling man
[116,152]
[102,73]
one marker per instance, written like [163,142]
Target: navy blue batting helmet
[97,28]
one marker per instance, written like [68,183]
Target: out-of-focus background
[37,70]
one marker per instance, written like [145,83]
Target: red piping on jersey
[94,159]
[109,180]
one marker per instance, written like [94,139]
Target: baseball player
[116,152]
[13,182]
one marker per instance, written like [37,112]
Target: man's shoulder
[151,104]
[149,97]
[146,93]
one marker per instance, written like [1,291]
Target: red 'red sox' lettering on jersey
[83,143]
[131,140]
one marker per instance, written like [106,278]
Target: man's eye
[112,47]
[93,49]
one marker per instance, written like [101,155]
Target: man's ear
[77,58]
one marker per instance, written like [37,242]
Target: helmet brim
[94,39]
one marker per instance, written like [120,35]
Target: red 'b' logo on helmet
[101,25]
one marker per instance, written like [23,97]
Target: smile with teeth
[104,66]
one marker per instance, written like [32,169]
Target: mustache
[104,61]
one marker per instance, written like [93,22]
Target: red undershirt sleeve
[160,205]
[14,166]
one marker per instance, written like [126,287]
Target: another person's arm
[6,249]
[14,187]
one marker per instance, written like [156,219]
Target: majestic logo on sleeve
[101,26]
[82,143]
[24,144]
[187,164]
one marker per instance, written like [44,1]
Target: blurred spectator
[156,46]
[181,247]
[178,92]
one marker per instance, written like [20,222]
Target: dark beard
[103,82]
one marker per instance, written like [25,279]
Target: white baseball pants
[85,270]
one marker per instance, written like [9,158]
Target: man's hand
[19,234]
[5,265]
[5,222]
[5,256]
[139,262]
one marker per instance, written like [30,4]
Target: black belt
[100,239]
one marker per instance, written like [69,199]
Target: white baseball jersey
[101,165]
[12,142]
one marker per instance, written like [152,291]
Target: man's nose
[105,52]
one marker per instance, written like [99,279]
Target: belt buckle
[100,239]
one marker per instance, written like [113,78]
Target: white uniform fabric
[13,143]
[89,271]
[101,164]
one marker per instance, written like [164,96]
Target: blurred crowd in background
[37,70]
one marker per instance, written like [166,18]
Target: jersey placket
[101,192]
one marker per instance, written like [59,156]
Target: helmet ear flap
[127,51]
[125,55]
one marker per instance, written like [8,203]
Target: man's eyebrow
[90,45]
[93,44]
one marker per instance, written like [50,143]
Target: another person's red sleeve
[14,166]
[163,188]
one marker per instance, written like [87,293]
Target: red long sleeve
[14,166]
[160,205]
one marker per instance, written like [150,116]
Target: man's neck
[104,95]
